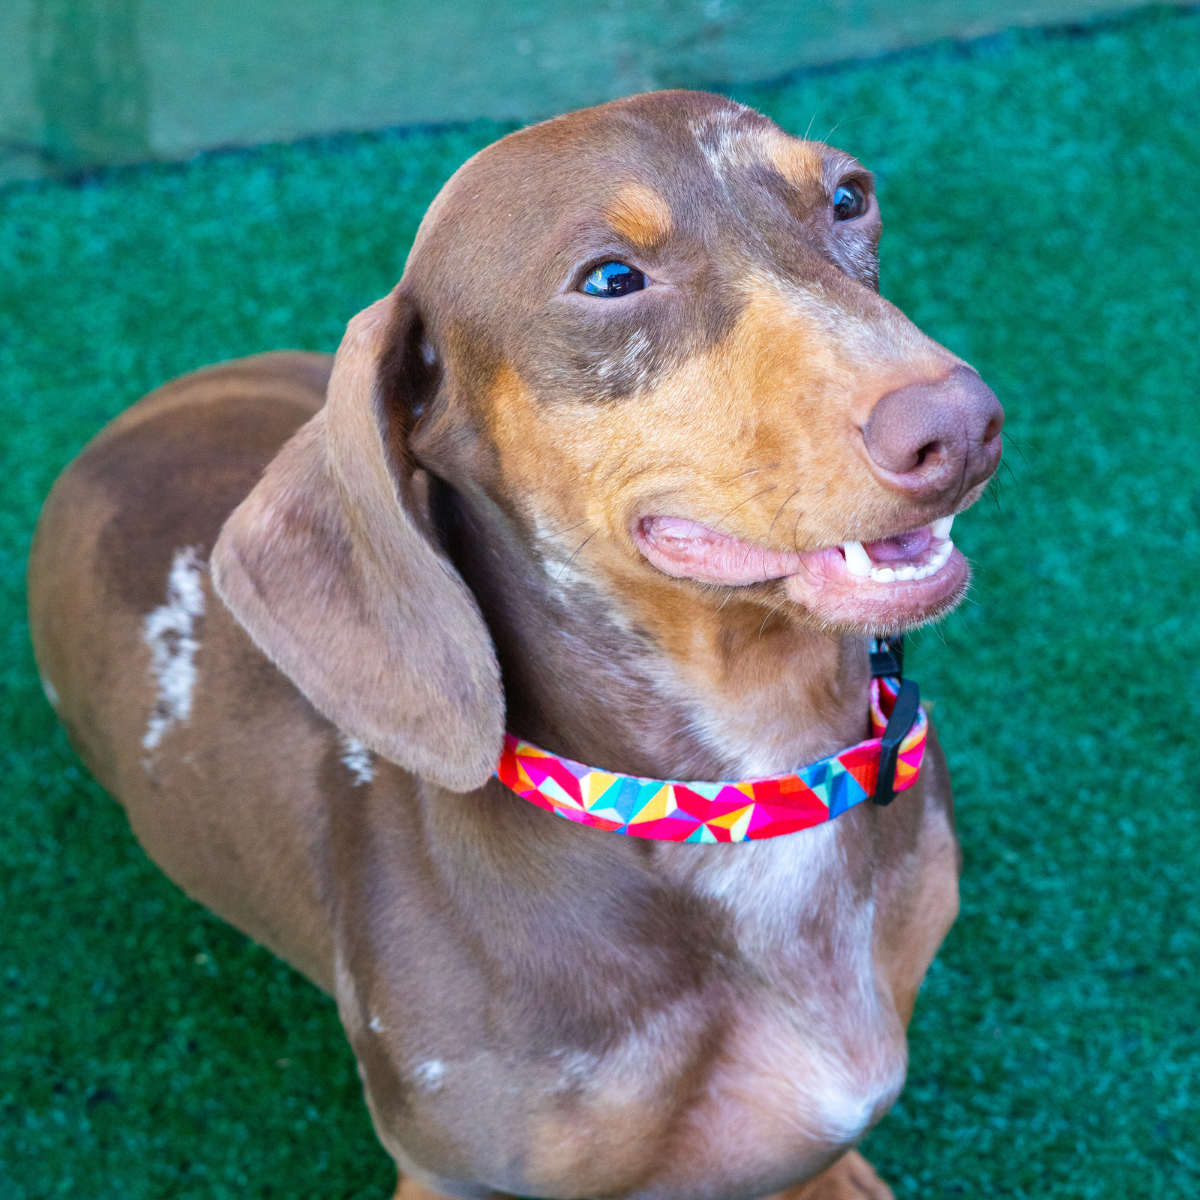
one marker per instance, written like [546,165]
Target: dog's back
[120,602]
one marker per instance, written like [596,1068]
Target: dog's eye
[848,202]
[614,279]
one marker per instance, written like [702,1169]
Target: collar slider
[887,657]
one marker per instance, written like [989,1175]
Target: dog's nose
[931,439]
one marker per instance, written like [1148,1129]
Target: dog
[625,472]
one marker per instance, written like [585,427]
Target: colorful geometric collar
[671,811]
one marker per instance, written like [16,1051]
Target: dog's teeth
[902,574]
[858,561]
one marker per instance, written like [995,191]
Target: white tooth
[858,561]
[906,573]
[938,561]
[941,528]
[884,575]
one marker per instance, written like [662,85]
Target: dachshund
[625,472]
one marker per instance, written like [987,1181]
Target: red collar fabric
[672,811]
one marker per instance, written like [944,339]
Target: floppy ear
[329,565]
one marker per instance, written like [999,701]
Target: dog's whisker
[567,565]
[775,608]
[779,512]
[553,533]
[816,114]
[740,503]
[844,121]
[796,532]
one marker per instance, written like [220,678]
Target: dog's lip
[686,549]
[841,599]
[821,580]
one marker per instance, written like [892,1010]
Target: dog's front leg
[413,1189]
[410,1187]
[850,1178]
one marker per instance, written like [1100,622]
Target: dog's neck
[660,684]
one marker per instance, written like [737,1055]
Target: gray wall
[84,82]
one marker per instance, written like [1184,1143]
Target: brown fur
[640,214]
[443,548]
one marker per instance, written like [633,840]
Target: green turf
[1040,196]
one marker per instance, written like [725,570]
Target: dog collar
[668,810]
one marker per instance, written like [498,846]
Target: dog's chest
[805,1053]
[738,1087]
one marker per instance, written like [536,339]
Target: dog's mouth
[888,585]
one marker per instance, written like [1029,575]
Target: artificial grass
[1039,195]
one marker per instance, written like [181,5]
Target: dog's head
[652,327]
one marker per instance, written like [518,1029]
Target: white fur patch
[825,1061]
[765,886]
[169,631]
[357,758]
[725,142]
[632,1068]
[429,1074]
[563,556]
[848,1097]
[632,363]
[51,692]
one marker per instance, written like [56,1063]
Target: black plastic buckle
[904,716]
[887,657]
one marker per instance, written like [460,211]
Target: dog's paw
[412,1189]
[850,1178]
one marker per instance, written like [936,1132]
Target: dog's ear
[330,565]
